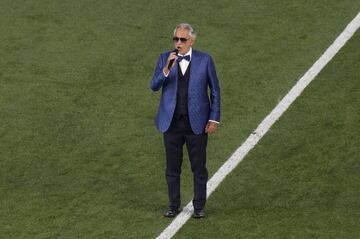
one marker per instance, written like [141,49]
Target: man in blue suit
[186,115]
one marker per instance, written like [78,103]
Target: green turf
[79,153]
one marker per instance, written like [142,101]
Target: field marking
[265,125]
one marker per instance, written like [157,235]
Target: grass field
[79,153]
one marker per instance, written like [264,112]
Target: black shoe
[198,214]
[172,213]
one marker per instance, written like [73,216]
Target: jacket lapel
[195,62]
[174,72]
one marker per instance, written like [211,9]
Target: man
[185,114]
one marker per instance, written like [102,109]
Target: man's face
[183,46]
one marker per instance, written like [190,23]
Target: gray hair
[188,27]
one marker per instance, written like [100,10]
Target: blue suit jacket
[200,108]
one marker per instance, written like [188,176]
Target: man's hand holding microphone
[170,61]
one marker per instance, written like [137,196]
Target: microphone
[172,61]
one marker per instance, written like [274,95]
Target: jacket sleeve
[158,78]
[214,92]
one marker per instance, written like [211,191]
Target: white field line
[265,125]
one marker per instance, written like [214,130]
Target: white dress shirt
[184,63]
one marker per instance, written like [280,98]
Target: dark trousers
[180,133]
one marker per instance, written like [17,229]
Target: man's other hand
[211,127]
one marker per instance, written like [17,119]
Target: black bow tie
[180,58]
